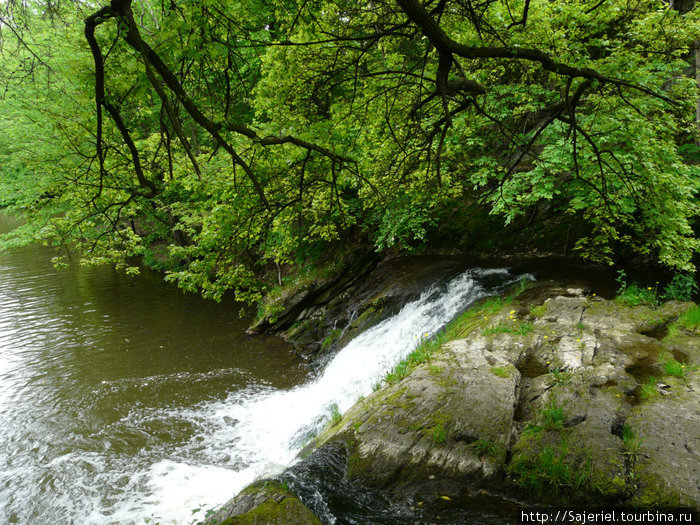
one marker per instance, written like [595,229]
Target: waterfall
[259,431]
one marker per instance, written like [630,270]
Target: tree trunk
[697,78]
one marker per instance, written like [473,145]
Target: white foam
[256,432]
[264,431]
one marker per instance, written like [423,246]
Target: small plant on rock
[328,341]
[648,390]
[336,416]
[631,443]
[676,368]
[552,416]
[438,433]
[500,371]
[484,447]
[633,294]
[550,468]
[559,377]
[524,329]
[538,311]
[690,319]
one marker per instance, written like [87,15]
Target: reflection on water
[102,381]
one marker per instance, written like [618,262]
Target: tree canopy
[214,138]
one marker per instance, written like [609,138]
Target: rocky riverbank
[555,396]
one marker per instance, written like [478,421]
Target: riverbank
[555,396]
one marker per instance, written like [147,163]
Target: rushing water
[106,389]
[125,401]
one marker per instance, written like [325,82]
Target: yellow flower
[512,311]
[649,288]
[426,334]
[577,340]
[485,317]
[593,295]
[545,337]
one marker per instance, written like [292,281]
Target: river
[123,400]
[109,390]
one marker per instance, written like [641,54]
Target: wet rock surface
[559,397]
[543,400]
[325,314]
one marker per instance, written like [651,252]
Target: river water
[108,389]
[123,400]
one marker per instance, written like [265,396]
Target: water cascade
[265,429]
[123,401]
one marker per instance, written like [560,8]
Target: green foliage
[326,131]
[522,328]
[438,433]
[633,294]
[538,311]
[328,341]
[523,284]
[550,468]
[500,328]
[681,288]
[484,447]
[632,444]
[420,355]
[559,377]
[676,368]
[464,323]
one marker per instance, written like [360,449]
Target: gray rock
[450,419]
[668,463]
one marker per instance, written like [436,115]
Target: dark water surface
[103,379]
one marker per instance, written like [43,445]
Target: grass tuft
[501,371]
[336,416]
[552,415]
[690,319]
[634,294]
[438,433]
[484,447]
[648,390]
[631,443]
[538,311]
[559,377]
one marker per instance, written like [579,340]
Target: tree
[224,137]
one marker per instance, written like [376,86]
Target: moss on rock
[264,503]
